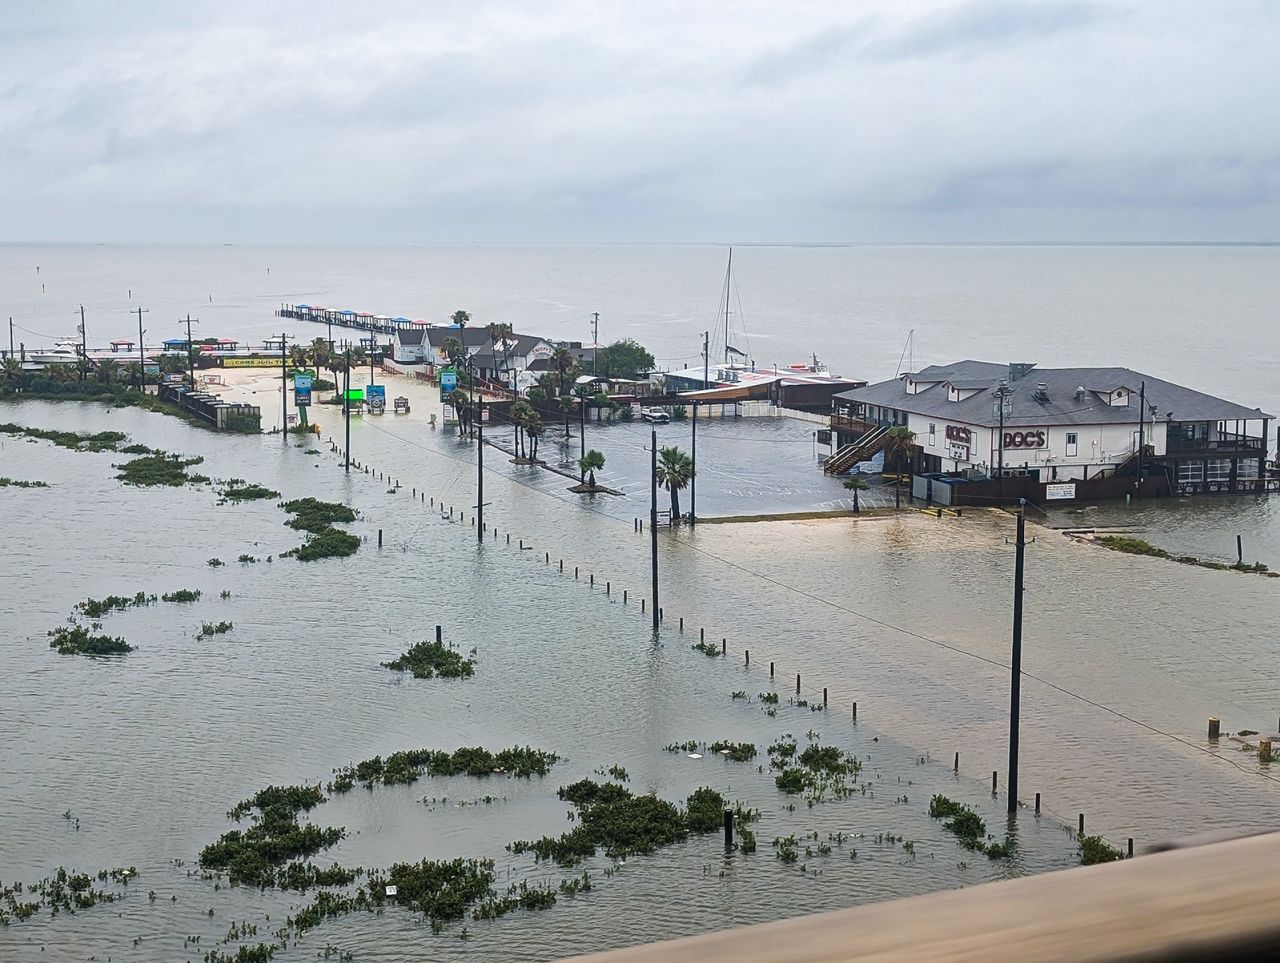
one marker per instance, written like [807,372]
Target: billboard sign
[302,390]
[448,380]
[1063,491]
[375,397]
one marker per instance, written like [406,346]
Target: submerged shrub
[101,441]
[97,608]
[21,483]
[429,659]
[313,515]
[409,765]
[77,640]
[159,469]
[274,838]
[329,543]
[737,751]
[181,595]
[1095,849]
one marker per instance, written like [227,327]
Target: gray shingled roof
[1063,407]
[410,335]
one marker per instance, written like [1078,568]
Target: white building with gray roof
[1056,425]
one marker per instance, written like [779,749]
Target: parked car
[657,416]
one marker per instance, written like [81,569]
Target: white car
[657,416]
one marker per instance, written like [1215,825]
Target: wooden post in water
[1081,831]
[1131,847]
[1239,550]
[1264,750]
[439,630]
[770,670]
[624,596]
[994,775]
[1214,724]
[724,647]
[379,538]
[728,829]
[957,763]
[1037,804]
[797,683]
[824,697]
[747,653]
[855,715]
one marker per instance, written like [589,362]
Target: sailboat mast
[728,277]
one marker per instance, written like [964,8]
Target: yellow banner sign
[250,362]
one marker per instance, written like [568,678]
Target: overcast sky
[903,120]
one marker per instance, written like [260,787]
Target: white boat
[62,352]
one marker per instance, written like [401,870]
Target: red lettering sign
[960,435]
[1034,438]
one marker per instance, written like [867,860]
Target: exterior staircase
[846,456]
[1130,465]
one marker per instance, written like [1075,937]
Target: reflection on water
[150,751]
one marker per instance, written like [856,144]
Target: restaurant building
[1055,426]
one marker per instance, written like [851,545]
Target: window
[1190,471]
[1219,469]
[933,435]
[1073,439]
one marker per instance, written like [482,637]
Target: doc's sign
[1029,439]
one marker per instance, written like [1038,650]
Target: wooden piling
[379,538]
[682,623]
[724,646]
[1131,847]
[855,712]
[593,579]
[1264,750]
[642,600]
[824,697]
[770,670]
[747,653]
[575,572]
[624,596]
[797,683]
[957,763]
[728,829]
[608,588]
[439,631]
[1037,804]
[1081,831]
[994,776]
[1214,725]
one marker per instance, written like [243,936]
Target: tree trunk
[675,505]
[856,509]
[592,482]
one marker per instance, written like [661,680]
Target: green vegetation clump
[816,770]
[441,890]
[315,516]
[159,469]
[77,640]
[208,629]
[331,543]
[247,559]
[963,822]
[181,595]
[707,648]
[215,563]
[136,450]
[737,751]
[429,659]
[63,892]
[21,483]
[76,441]
[238,490]
[611,818]
[1136,546]
[408,766]
[768,698]
[252,856]
[97,608]
[1095,849]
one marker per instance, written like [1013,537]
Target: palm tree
[461,318]
[563,362]
[522,416]
[898,444]
[454,352]
[590,463]
[501,333]
[534,430]
[855,485]
[108,370]
[299,356]
[675,471]
[11,368]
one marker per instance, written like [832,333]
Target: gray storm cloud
[750,121]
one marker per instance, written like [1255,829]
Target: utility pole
[11,336]
[693,475]
[1001,393]
[284,387]
[142,358]
[595,339]
[653,522]
[191,357]
[582,429]
[1015,693]
[706,364]
[346,406]
[373,343]
[1142,423]
[479,470]
[84,346]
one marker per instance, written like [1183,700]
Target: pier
[377,323]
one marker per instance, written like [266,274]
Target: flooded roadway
[905,615]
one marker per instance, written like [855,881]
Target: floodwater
[149,751]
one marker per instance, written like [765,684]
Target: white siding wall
[1097,446]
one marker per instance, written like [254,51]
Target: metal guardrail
[1211,902]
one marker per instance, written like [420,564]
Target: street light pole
[1015,690]
[191,358]
[284,388]
[653,522]
[142,360]
[346,406]
[693,474]
[479,409]
[84,346]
